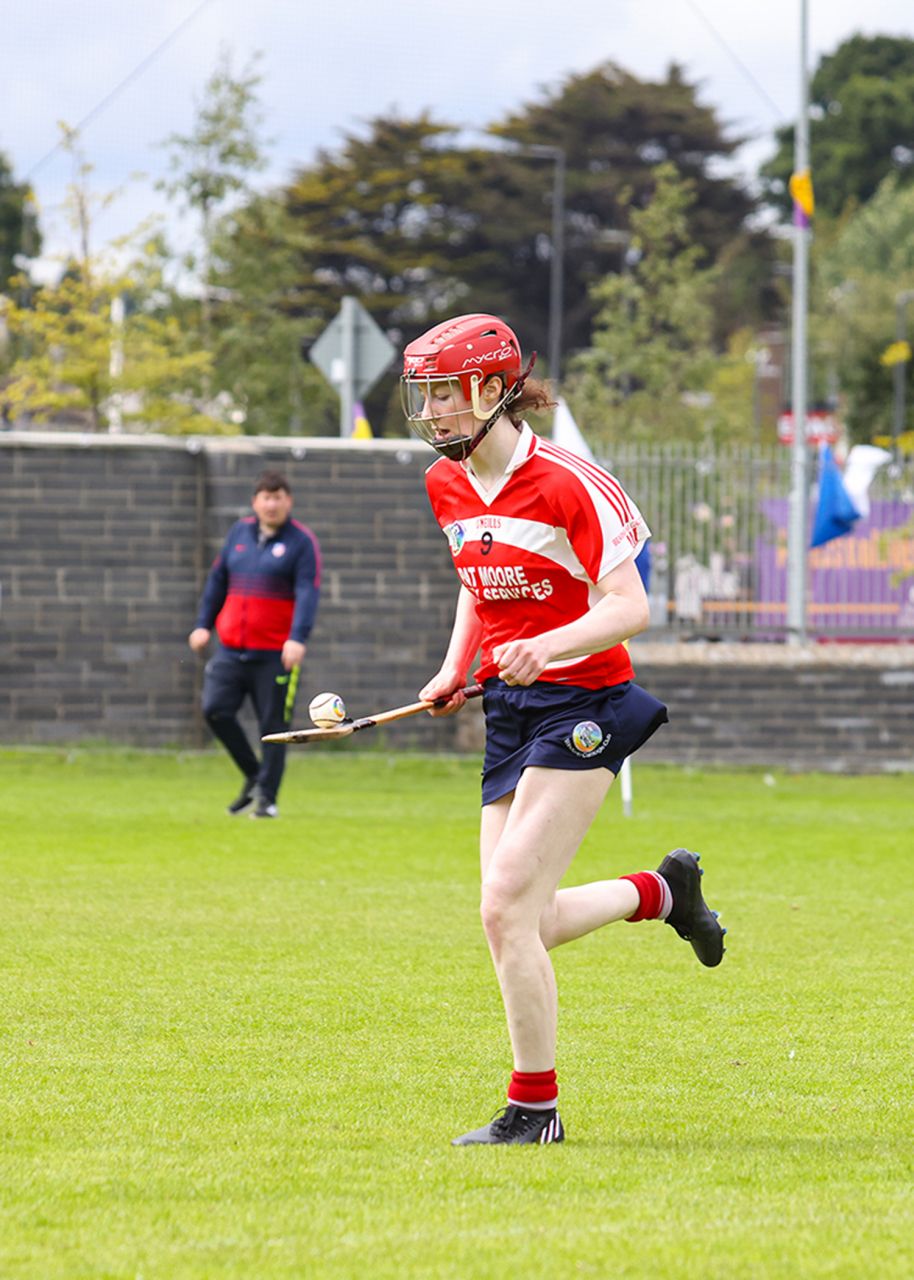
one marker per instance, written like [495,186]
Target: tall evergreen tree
[615,128]
[861,124]
[415,223]
[418,225]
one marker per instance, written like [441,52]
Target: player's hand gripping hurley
[346,727]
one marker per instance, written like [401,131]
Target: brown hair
[536,397]
[271,482]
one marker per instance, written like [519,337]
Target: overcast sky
[327,67]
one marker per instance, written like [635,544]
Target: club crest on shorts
[587,739]
[456,536]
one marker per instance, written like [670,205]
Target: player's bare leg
[545,823]
[569,913]
[574,912]
[527,841]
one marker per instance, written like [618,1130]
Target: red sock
[656,899]
[535,1090]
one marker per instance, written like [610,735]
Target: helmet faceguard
[460,356]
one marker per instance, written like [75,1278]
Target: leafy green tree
[748,285]
[859,273]
[259,332]
[74,353]
[647,371]
[76,346]
[216,160]
[732,416]
[18,223]
[388,219]
[861,124]
[249,266]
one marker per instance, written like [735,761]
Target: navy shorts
[560,726]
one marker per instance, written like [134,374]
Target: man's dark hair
[271,482]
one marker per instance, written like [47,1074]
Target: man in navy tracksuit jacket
[261,594]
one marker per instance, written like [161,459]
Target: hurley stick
[347,727]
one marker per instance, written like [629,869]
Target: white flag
[567,433]
[863,461]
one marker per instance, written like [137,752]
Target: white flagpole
[796,530]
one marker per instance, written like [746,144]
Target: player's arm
[211,601]
[620,613]
[307,593]
[466,635]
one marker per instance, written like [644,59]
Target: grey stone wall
[830,708]
[99,560]
[104,547]
[834,708]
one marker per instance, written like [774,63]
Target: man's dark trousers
[232,675]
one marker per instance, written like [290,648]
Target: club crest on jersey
[456,536]
[279,550]
[587,739]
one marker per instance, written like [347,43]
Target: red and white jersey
[531,548]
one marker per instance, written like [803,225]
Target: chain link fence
[718,556]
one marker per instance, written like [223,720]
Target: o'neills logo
[504,352]
[587,739]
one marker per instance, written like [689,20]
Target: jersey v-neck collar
[526,447]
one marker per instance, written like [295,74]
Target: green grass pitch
[240,1049]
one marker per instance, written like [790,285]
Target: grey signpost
[352,353]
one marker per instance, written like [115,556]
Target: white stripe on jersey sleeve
[601,478]
[622,525]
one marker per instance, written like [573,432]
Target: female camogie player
[544,545]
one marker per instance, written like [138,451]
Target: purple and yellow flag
[804,203]
[361,427]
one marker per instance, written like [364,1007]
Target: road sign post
[352,353]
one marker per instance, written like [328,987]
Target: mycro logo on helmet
[587,739]
[504,352]
[456,536]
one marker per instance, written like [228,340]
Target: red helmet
[467,350]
